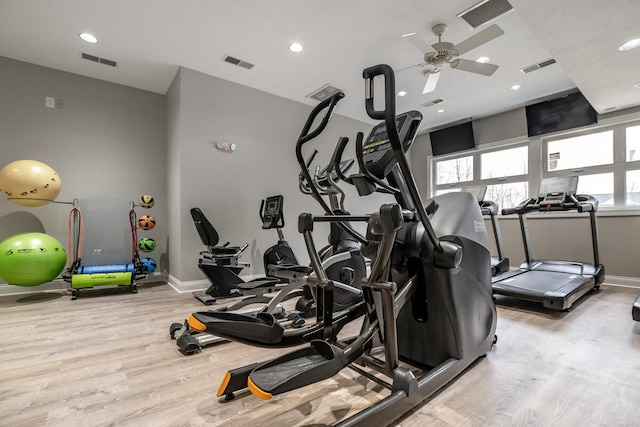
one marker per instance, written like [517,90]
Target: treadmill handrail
[578,202]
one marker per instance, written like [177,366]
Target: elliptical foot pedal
[262,328]
[296,369]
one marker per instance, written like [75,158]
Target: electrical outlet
[59,103]
[49,102]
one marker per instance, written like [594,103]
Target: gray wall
[552,236]
[108,140]
[228,187]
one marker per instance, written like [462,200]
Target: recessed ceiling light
[89,38]
[483,59]
[515,87]
[402,93]
[631,44]
[295,47]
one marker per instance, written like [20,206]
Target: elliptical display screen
[377,152]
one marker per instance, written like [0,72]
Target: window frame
[477,156]
[538,165]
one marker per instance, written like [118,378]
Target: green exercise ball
[30,259]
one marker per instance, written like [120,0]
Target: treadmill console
[553,201]
[377,152]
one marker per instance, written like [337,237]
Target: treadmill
[556,284]
[499,263]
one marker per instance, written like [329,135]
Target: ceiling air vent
[323,93]
[238,62]
[539,65]
[99,60]
[433,102]
[484,12]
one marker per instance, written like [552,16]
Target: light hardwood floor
[106,360]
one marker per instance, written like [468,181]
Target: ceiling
[151,39]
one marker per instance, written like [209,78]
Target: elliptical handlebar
[389,116]
[337,158]
[307,135]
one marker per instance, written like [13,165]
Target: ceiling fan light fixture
[631,44]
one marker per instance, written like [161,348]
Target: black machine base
[636,310]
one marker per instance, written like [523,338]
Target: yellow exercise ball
[29,183]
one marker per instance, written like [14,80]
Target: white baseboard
[198,285]
[626,282]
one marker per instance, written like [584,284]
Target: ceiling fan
[442,53]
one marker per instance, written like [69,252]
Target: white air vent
[323,93]
[238,62]
[433,102]
[484,12]
[99,60]
[539,65]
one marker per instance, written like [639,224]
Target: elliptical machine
[341,260]
[428,296]
[272,216]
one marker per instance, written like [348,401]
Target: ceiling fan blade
[416,40]
[432,80]
[479,39]
[409,67]
[474,67]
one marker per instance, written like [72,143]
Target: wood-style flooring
[106,359]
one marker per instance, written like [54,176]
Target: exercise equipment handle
[337,158]
[329,103]
[307,135]
[389,117]
[388,114]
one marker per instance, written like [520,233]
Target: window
[498,164]
[503,171]
[507,195]
[455,170]
[580,151]
[632,188]
[632,139]
[599,186]
[606,160]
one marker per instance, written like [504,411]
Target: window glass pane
[633,143]
[454,170]
[581,151]
[507,195]
[633,188]
[498,164]
[599,186]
